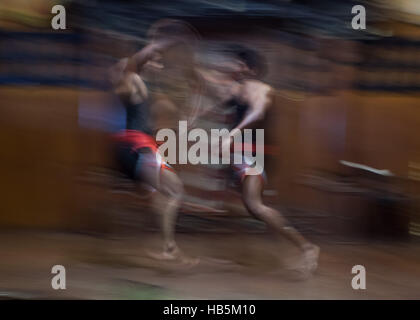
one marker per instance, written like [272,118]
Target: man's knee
[254,207]
[174,187]
[177,189]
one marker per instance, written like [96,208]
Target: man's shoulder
[256,88]
[254,84]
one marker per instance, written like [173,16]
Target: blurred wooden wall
[44,150]
[39,150]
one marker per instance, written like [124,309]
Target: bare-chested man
[137,152]
[234,83]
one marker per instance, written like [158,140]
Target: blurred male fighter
[234,83]
[137,152]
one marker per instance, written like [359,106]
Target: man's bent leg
[171,188]
[167,202]
[252,188]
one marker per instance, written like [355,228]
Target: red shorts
[136,139]
[130,145]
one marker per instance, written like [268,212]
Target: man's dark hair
[252,58]
[167,28]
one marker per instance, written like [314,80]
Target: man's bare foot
[308,262]
[311,255]
[173,253]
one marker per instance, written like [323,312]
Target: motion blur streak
[341,117]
